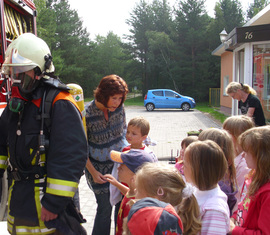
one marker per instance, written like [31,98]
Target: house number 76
[249,35]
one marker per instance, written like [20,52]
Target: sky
[102,16]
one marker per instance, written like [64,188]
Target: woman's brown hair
[109,86]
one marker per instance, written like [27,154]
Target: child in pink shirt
[185,142]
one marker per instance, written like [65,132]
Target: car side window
[170,94]
[158,93]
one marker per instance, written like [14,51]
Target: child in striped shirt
[204,166]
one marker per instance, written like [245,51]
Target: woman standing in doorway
[249,103]
[106,129]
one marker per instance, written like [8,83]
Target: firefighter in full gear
[44,151]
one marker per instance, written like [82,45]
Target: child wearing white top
[236,125]
[204,166]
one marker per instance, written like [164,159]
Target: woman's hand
[47,215]
[99,178]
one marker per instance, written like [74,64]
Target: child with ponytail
[165,183]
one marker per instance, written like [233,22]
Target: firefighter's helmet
[28,52]
[28,58]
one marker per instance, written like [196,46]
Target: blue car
[165,98]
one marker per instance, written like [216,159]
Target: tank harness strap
[64,95]
[50,100]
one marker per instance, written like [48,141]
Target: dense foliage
[166,47]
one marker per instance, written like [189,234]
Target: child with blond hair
[204,166]
[130,162]
[165,183]
[253,213]
[137,131]
[228,182]
[236,125]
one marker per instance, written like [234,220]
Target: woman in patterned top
[106,129]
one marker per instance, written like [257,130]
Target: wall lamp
[223,35]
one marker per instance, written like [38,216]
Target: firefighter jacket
[48,179]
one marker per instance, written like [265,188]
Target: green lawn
[213,111]
[138,101]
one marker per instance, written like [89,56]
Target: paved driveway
[169,126]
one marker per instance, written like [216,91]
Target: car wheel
[185,107]
[150,107]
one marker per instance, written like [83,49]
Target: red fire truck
[16,17]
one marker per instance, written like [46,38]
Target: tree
[193,50]
[152,25]
[160,59]
[231,13]
[46,24]
[228,15]
[161,46]
[46,29]
[141,20]
[111,57]
[257,6]
[71,46]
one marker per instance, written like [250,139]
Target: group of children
[219,185]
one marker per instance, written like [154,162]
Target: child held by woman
[137,131]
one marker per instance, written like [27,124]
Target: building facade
[245,58]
